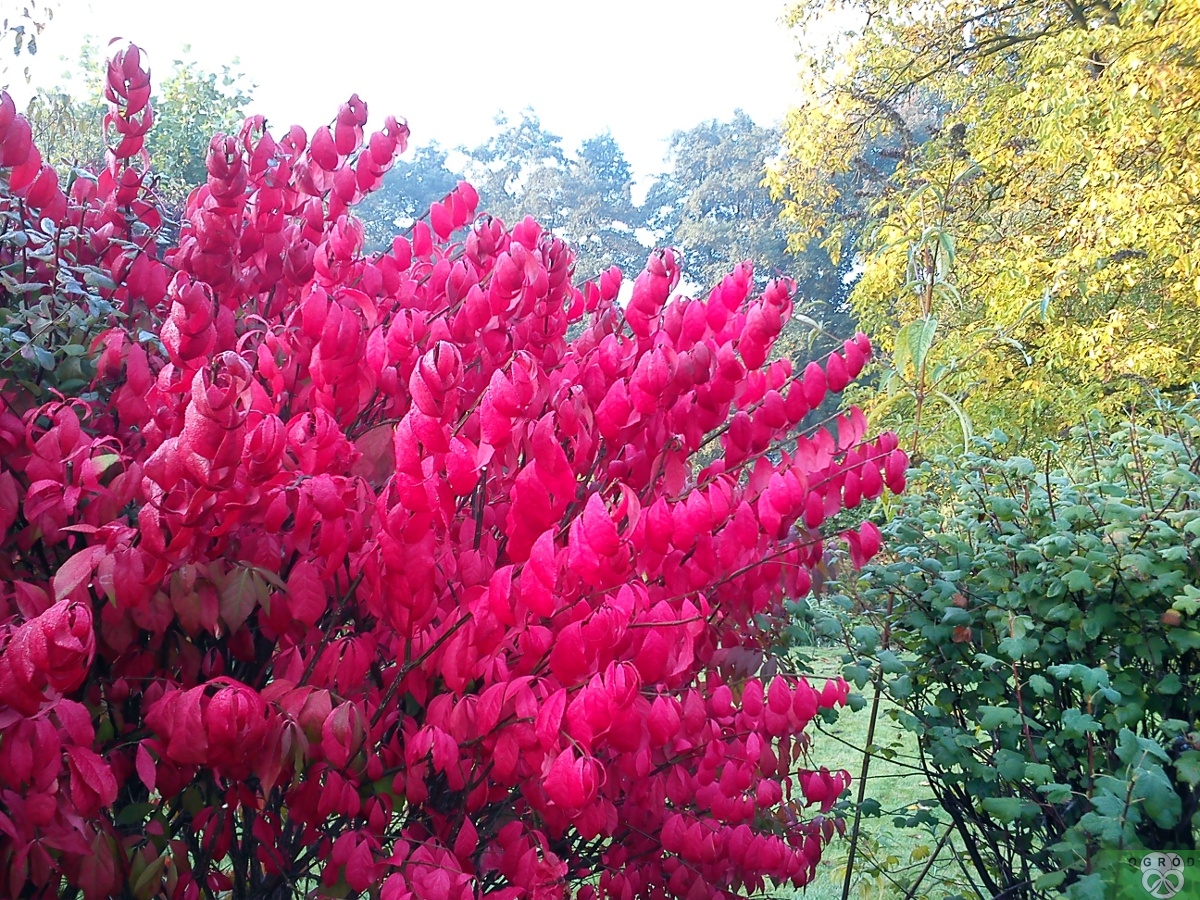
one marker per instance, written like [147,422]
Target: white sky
[639,68]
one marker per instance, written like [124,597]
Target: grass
[888,857]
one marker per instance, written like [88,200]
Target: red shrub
[359,573]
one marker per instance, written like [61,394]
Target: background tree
[1039,223]
[417,181]
[194,104]
[520,171]
[601,218]
[1022,181]
[585,198]
[711,203]
[68,119]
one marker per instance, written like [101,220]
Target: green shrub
[1039,627]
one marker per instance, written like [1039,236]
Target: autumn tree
[1034,219]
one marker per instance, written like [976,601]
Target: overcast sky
[639,68]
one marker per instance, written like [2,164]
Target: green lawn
[889,857]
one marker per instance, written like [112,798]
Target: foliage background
[1019,179]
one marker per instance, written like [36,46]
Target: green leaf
[1187,767]
[1188,602]
[241,590]
[1050,880]
[1078,580]
[1040,686]
[866,636]
[97,279]
[945,253]
[1005,809]
[1020,626]
[964,421]
[954,617]
[25,287]
[992,717]
[921,340]
[902,355]
[1169,684]
[146,882]
[1090,887]
[892,382]
[135,814]
[1056,793]
[1017,648]
[1159,797]
[1010,765]
[102,462]
[1139,752]
[1076,724]
[809,322]
[44,357]
[1038,773]
[1184,639]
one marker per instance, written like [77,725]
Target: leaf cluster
[52,306]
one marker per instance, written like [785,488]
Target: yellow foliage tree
[1021,183]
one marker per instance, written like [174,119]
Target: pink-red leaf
[308,599]
[77,570]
